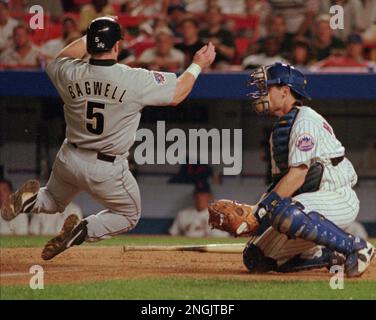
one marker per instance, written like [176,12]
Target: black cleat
[74,232]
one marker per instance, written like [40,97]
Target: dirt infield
[88,264]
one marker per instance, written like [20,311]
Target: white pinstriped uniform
[312,140]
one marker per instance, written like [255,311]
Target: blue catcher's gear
[256,261]
[288,217]
[279,74]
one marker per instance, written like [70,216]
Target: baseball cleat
[328,258]
[358,262]
[74,232]
[22,200]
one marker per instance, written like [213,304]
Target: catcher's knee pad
[289,218]
[255,260]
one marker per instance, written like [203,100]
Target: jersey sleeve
[61,70]
[303,145]
[155,88]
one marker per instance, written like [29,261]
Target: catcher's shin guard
[22,200]
[73,233]
[255,260]
[289,218]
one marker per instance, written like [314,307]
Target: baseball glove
[233,217]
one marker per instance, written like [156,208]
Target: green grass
[30,242]
[170,289]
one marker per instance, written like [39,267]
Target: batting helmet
[277,74]
[102,34]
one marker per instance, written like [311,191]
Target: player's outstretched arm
[74,50]
[202,59]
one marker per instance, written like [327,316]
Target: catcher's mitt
[235,218]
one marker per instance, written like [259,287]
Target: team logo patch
[159,78]
[305,142]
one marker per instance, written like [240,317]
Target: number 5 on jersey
[94,119]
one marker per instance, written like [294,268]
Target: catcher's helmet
[102,34]
[277,74]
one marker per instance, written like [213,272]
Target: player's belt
[336,161]
[100,155]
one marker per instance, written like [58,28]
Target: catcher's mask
[259,91]
[278,74]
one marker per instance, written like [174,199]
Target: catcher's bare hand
[233,217]
[205,56]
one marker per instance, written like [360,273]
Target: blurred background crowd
[164,34]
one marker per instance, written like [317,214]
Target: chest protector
[280,147]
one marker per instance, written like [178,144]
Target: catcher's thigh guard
[255,260]
[289,218]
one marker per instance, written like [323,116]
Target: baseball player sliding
[102,105]
[300,219]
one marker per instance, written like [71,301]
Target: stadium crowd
[164,34]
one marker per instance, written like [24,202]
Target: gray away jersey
[103,100]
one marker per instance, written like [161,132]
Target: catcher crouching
[299,221]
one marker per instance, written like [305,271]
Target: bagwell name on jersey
[95,88]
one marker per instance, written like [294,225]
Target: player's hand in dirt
[205,56]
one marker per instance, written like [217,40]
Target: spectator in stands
[175,14]
[299,15]
[269,55]
[352,59]
[19,225]
[235,7]
[324,42]
[43,224]
[357,15]
[23,54]
[17,7]
[144,40]
[69,33]
[126,57]
[222,38]
[7,24]
[193,221]
[146,7]
[191,43]
[261,10]
[164,57]
[369,37]
[276,26]
[301,55]
[198,7]
[90,11]
[126,53]
[54,9]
